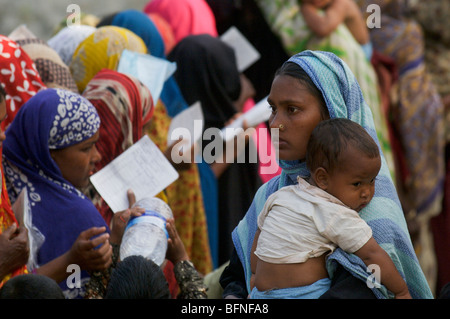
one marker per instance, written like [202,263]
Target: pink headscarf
[186,17]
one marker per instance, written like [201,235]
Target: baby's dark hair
[330,138]
[137,277]
[294,70]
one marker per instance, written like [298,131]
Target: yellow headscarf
[100,50]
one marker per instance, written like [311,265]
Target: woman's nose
[274,121]
[96,157]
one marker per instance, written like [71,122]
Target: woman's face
[298,111]
[77,162]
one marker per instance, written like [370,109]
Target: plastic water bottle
[146,235]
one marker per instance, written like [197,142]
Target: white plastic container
[146,235]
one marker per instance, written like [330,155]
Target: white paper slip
[257,114]
[245,52]
[142,167]
[187,124]
[150,70]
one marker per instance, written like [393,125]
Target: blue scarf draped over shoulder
[384,214]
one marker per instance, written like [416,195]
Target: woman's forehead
[286,87]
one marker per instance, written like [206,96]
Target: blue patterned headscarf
[53,118]
[384,214]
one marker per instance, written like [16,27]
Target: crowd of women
[68,112]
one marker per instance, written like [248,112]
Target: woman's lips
[280,142]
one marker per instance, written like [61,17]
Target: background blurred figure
[207,72]
[53,71]
[189,196]
[417,119]
[186,17]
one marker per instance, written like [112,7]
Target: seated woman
[50,151]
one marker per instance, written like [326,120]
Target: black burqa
[247,17]
[207,72]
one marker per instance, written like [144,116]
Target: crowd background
[406,82]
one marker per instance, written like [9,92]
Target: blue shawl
[384,214]
[53,118]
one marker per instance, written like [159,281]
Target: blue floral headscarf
[52,119]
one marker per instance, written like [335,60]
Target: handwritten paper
[142,168]
[150,70]
[257,114]
[245,53]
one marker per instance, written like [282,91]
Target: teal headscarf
[384,214]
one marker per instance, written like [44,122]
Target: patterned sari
[418,119]
[433,17]
[125,106]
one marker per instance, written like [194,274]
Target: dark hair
[136,277]
[2,93]
[331,137]
[294,70]
[31,286]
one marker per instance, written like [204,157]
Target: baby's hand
[176,251]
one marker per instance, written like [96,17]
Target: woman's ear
[321,177]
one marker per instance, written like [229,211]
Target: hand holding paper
[259,113]
[142,168]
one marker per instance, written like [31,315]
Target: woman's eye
[87,149]
[292,109]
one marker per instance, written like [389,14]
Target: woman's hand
[187,157]
[120,219]
[92,250]
[14,249]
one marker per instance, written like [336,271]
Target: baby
[336,12]
[301,224]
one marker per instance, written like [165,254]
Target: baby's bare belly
[277,276]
